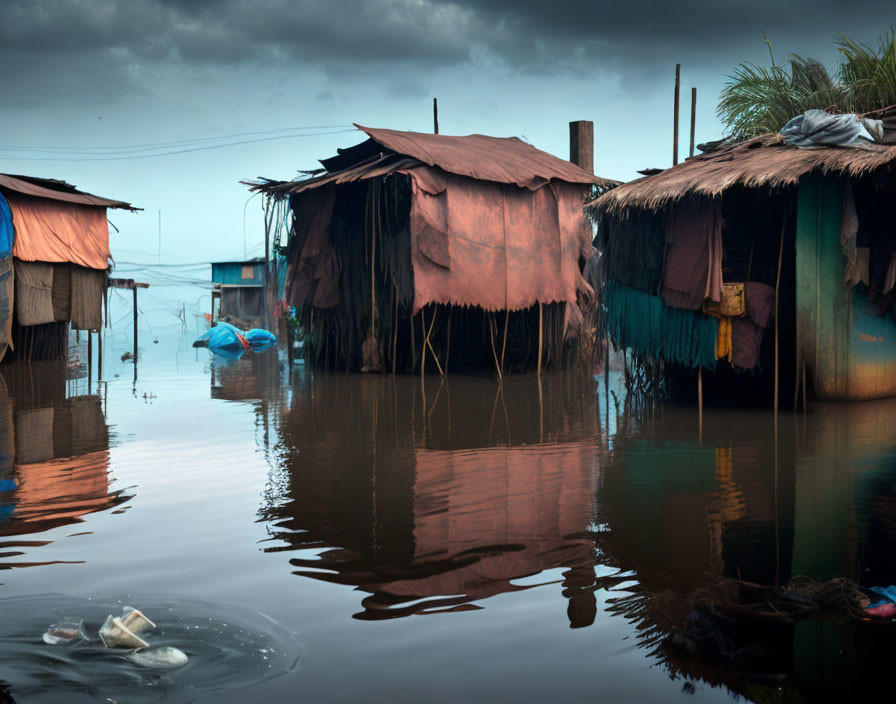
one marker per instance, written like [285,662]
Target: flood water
[328,538]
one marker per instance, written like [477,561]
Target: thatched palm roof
[763,161]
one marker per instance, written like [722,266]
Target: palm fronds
[759,100]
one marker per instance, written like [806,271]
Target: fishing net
[644,324]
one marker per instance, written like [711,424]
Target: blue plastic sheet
[7,231]
[230,342]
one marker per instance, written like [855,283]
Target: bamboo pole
[435,115]
[89,359]
[540,334]
[99,353]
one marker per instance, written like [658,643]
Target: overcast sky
[85,74]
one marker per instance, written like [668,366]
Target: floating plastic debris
[115,634]
[65,633]
[135,621]
[159,657]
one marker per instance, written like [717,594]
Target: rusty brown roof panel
[57,190]
[499,159]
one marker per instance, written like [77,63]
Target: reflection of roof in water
[427,523]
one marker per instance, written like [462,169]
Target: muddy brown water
[435,540]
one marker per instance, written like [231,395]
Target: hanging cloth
[693,271]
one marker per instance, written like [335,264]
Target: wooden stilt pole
[777,290]
[491,336]
[99,353]
[448,344]
[423,345]
[700,402]
[394,330]
[504,341]
[540,334]
[89,359]
[429,344]
[135,324]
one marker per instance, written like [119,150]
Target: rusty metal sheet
[31,187]
[493,245]
[477,156]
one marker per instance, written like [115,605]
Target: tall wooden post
[675,117]
[99,353]
[693,118]
[581,144]
[89,359]
[435,115]
[135,325]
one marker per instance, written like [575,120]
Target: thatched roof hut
[405,223]
[804,232]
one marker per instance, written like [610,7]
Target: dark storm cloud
[63,42]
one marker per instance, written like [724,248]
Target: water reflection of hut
[55,454]
[700,256]
[54,252]
[428,505]
[453,251]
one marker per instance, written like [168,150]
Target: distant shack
[767,264]
[54,258]
[411,251]
[238,286]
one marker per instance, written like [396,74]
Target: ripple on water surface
[227,646]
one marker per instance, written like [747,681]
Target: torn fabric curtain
[312,274]
[62,292]
[746,332]
[34,293]
[55,231]
[493,245]
[644,324]
[693,270]
[88,286]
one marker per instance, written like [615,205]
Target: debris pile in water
[120,632]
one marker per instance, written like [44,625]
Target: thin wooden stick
[394,330]
[448,345]
[540,334]
[700,402]
[429,344]
[777,290]
[491,335]
[423,337]
[504,342]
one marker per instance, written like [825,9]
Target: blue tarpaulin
[7,232]
[228,341]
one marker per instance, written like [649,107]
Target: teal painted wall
[851,352]
[232,273]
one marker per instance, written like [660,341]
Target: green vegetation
[757,99]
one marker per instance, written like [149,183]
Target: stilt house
[54,256]
[757,256]
[416,250]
